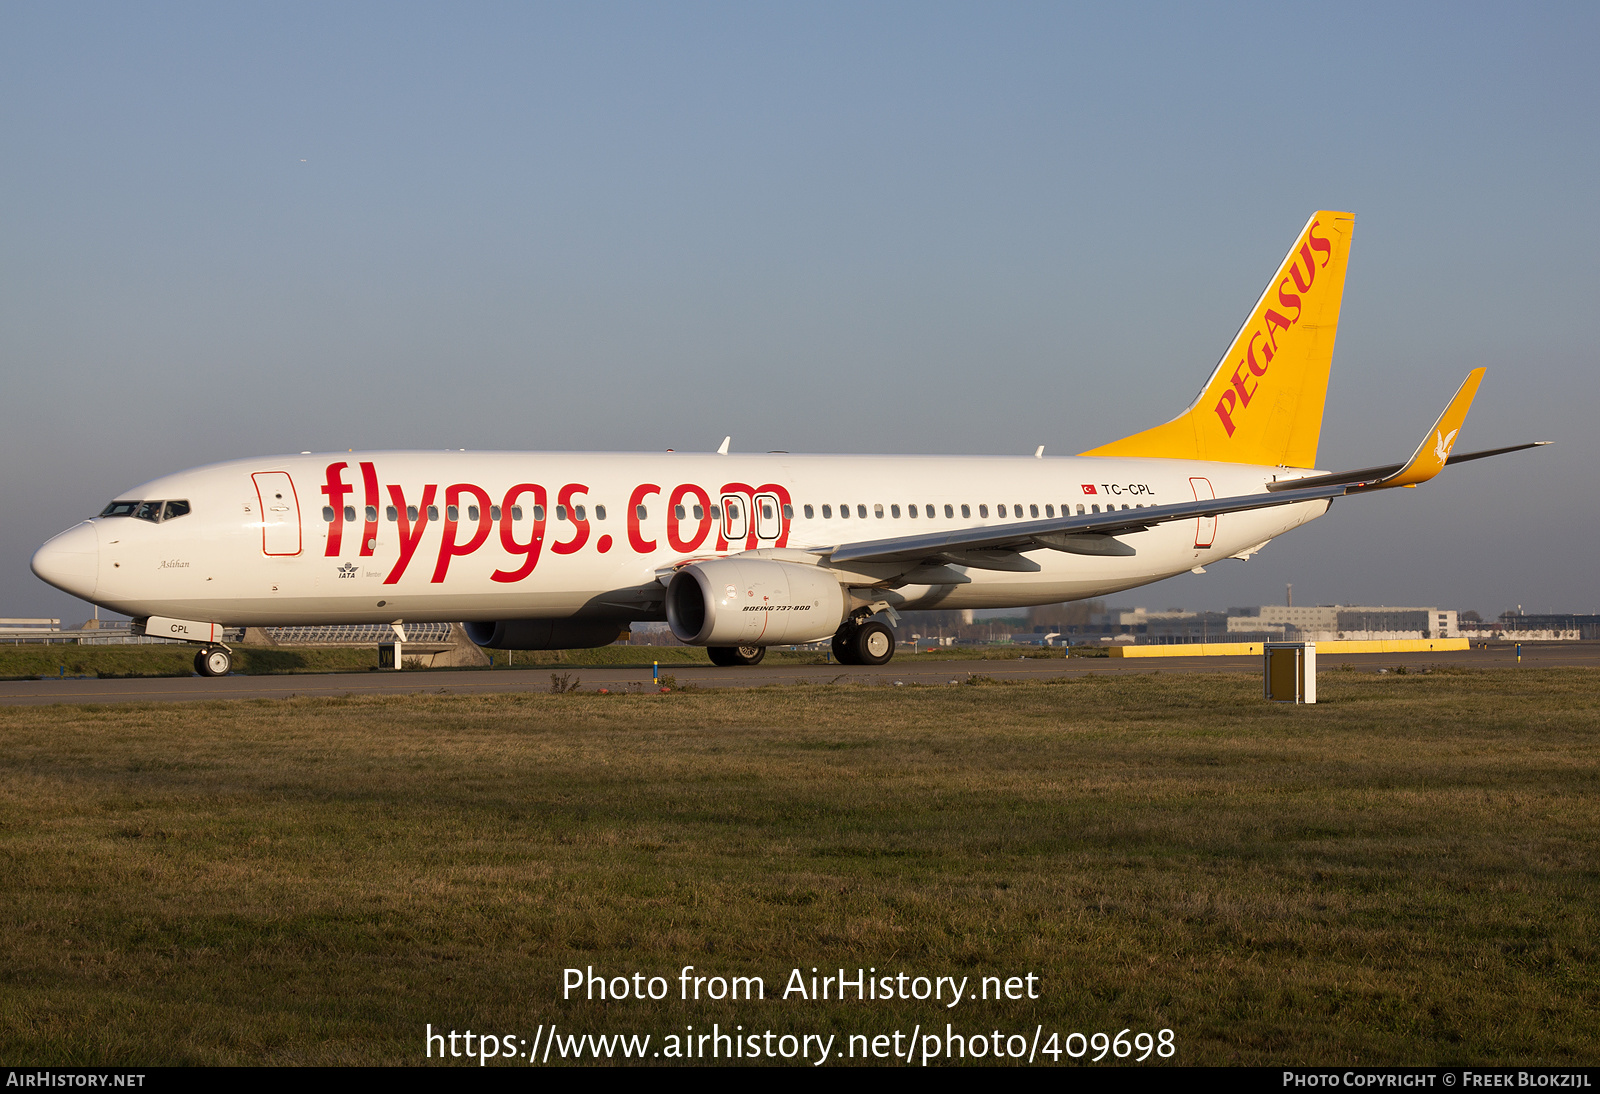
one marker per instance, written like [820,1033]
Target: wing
[1077,535]
[1375,475]
[1000,547]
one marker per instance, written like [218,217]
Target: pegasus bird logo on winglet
[1441,450]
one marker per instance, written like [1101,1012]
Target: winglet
[1434,451]
[722,449]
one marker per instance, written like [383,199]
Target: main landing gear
[864,643]
[728,656]
[213,661]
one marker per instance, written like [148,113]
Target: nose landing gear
[213,661]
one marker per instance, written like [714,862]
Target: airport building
[1266,623]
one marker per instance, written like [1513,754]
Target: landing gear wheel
[213,661]
[728,656]
[843,645]
[872,644]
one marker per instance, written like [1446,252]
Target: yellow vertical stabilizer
[1263,404]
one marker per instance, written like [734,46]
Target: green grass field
[1405,873]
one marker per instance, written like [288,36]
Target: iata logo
[1263,342]
[347,570]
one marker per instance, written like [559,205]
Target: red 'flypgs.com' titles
[478,500]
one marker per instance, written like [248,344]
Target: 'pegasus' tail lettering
[1263,403]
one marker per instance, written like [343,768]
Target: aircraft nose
[71,561]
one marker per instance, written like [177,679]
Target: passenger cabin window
[494,513]
[949,511]
[1094,508]
[638,510]
[1033,510]
[966,512]
[861,511]
[894,511]
[999,510]
[766,511]
[1049,511]
[827,512]
[372,512]
[411,513]
[452,512]
[929,510]
[808,511]
[392,513]
[911,510]
[599,512]
[699,512]
[678,511]
[472,512]
[1080,509]
[716,512]
[327,514]
[844,512]
[433,512]
[877,511]
[983,510]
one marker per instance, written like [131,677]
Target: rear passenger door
[1205,528]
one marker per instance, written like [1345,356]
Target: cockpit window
[153,511]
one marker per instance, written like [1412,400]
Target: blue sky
[234,231]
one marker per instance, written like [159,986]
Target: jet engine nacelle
[546,634]
[753,602]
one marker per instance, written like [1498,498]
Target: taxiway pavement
[905,669]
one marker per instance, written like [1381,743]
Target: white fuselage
[461,536]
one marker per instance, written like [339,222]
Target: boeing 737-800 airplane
[737,553]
